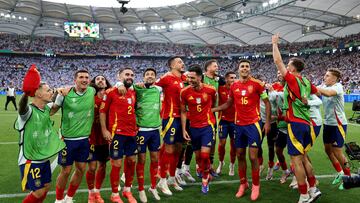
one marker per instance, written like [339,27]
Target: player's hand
[107,135]
[63,91]
[122,90]
[267,128]
[186,135]
[275,38]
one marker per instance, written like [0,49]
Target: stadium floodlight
[2,14]
[25,18]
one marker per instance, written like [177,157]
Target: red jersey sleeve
[106,101]
[162,82]
[313,89]
[231,94]
[182,97]
[292,84]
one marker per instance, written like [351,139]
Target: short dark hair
[196,68]
[244,61]
[170,60]
[80,71]
[335,72]
[208,63]
[123,69]
[298,63]
[149,69]
[227,74]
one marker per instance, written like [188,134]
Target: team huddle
[189,110]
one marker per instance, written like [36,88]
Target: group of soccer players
[101,123]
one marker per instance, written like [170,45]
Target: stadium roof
[240,22]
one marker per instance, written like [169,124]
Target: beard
[128,83]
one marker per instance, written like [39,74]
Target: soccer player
[171,84]
[99,147]
[296,93]
[118,125]
[335,122]
[76,122]
[199,98]
[272,135]
[38,142]
[246,94]
[210,77]
[226,124]
[148,120]
[281,135]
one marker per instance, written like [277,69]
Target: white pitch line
[4,143]
[4,196]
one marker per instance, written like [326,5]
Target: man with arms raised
[297,90]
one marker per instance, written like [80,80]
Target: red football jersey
[229,113]
[96,136]
[199,104]
[120,112]
[278,87]
[246,96]
[295,93]
[171,86]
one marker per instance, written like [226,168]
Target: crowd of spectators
[101,47]
[58,71]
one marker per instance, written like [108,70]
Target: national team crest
[205,96]
[37,182]
[243,92]
[198,100]
[250,88]
[129,100]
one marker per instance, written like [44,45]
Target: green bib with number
[38,139]
[148,106]
[78,113]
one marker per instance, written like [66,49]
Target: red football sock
[302,189]
[164,164]
[129,172]
[59,193]
[90,180]
[347,171]
[232,151]
[153,173]
[205,164]
[99,178]
[221,152]
[42,198]
[30,198]
[337,166]
[311,180]
[173,163]
[255,176]
[242,175]
[114,178]
[140,175]
[260,160]
[283,165]
[161,153]
[72,190]
[271,164]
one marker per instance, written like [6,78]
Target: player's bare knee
[65,171]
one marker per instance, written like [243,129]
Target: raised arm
[23,104]
[277,55]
